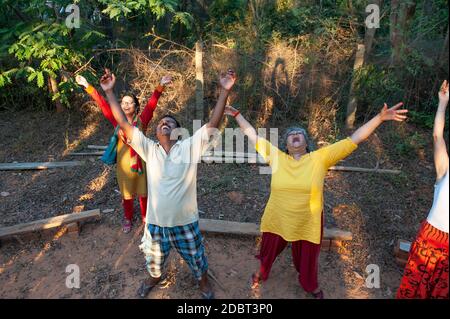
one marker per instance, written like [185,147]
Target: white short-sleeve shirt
[438,216]
[171,178]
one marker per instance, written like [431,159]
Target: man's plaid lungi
[187,240]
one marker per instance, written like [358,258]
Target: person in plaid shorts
[172,212]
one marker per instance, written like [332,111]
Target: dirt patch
[377,209]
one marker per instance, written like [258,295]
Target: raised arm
[245,126]
[107,83]
[386,114]
[147,113]
[226,82]
[440,149]
[98,98]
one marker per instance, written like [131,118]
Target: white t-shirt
[438,216]
[171,178]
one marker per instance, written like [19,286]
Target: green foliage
[35,44]
[376,86]
[411,144]
[159,8]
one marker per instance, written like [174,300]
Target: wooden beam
[402,248]
[260,160]
[331,245]
[230,154]
[48,223]
[219,159]
[364,170]
[254,158]
[97,147]
[86,154]
[250,229]
[38,165]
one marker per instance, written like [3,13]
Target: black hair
[135,99]
[171,117]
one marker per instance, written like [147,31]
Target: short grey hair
[309,143]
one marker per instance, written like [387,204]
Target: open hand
[81,80]
[227,80]
[393,113]
[167,79]
[108,80]
[443,93]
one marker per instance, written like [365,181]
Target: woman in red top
[130,169]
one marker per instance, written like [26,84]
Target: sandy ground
[378,209]
[111,266]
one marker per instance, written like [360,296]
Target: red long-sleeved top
[146,115]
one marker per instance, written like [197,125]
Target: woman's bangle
[236,114]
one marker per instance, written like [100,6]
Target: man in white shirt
[172,213]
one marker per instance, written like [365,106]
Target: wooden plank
[250,229]
[38,165]
[229,227]
[331,245]
[402,248]
[336,234]
[48,223]
[401,262]
[254,158]
[86,154]
[364,170]
[260,160]
[73,229]
[97,147]
[230,154]
[219,159]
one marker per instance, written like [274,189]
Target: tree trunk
[370,33]
[442,57]
[53,88]
[199,93]
[352,103]
[401,14]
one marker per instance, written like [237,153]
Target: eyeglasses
[295,133]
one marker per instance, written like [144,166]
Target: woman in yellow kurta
[294,212]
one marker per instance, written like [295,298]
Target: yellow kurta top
[131,184]
[295,206]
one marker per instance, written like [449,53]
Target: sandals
[208,295]
[126,227]
[144,289]
[255,281]
[318,295]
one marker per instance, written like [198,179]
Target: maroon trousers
[304,253]
[128,207]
